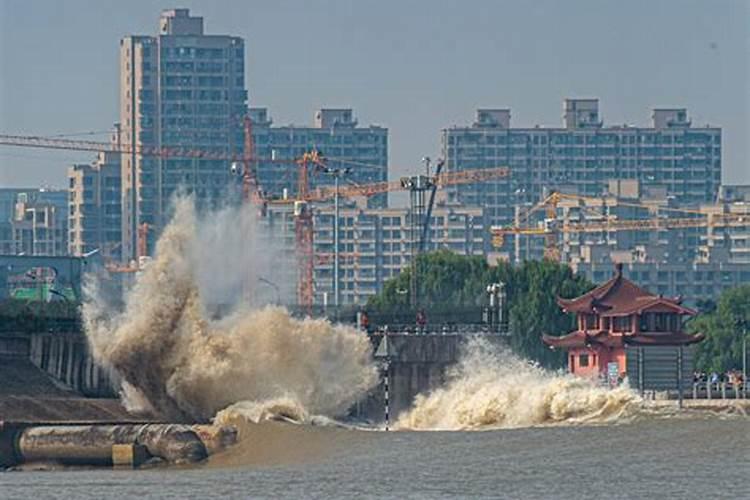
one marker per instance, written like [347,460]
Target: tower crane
[245,164]
[551,229]
[305,198]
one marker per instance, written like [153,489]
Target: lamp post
[274,286]
[496,292]
[744,361]
[336,173]
[336,242]
[417,186]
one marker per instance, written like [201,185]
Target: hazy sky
[413,66]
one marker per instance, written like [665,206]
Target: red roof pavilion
[616,314]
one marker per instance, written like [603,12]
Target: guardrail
[720,390]
[434,329]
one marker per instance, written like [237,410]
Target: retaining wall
[416,364]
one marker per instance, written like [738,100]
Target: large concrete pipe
[92,444]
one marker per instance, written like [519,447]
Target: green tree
[532,290]
[446,280]
[724,328]
[451,282]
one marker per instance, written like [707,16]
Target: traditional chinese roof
[582,339]
[602,338]
[620,297]
[671,338]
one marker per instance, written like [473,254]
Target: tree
[450,282]
[724,328]
[446,280]
[532,290]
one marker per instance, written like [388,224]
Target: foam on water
[490,388]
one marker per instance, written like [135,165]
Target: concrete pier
[416,364]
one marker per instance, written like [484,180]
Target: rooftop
[620,297]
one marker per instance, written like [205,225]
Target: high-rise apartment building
[582,156]
[375,244]
[40,223]
[94,206]
[709,239]
[8,198]
[697,261]
[180,88]
[336,134]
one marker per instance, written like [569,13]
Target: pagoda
[613,316]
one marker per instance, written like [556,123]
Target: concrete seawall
[416,364]
[64,356]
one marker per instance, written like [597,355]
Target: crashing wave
[185,365]
[490,389]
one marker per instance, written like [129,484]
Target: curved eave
[564,341]
[580,339]
[575,305]
[640,309]
[660,339]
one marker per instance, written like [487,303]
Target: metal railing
[720,390]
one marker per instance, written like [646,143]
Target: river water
[649,458]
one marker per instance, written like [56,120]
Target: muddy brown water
[654,458]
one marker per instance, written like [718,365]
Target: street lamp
[744,362]
[744,359]
[336,173]
[496,292]
[274,286]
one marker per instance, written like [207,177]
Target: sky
[412,66]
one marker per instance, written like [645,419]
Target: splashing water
[492,389]
[186,366]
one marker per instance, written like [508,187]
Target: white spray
[490,388]
[187,366]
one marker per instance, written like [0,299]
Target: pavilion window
[591,321]
[662,322]
[583,360]
[643,325]
[621,323]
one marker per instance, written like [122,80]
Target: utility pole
[336,173]
[336,243]
[426,160]
[496,293]
[417,186]
[744,361]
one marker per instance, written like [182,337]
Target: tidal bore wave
[179,363]
[492,389]
[257,363]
